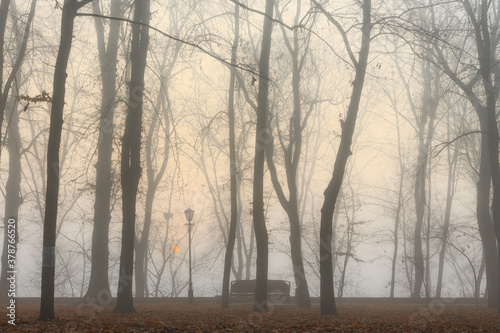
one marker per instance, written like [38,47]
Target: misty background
[415,125]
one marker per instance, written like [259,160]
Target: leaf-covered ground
[177,317]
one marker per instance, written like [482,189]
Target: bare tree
[69,13]
[292,151]
[483,73]
[131,153]
[327,301]
[98,288]
[5,87]
[155,170]
[261,140]
[452,154]
[424,116]
[13,199]
[231,239]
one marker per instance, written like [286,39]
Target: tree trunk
[292,153]
[429,104]
[98,290]
[69,12]
[399,208]
[327,301]
[233,167]
[486,65]
[5,88]
[484,222]
[248,263]
[450,192]
[131,155]
[142,245]
[13,199]
[487,228]
[261,140]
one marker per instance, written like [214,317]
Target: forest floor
[182,317]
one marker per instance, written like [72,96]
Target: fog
[414,208]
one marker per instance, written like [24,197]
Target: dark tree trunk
[399,207]
[142,246]
[56,120]
[292,153]
[131,155]
[419,196]
[291,208]
[487,66]
[98,290]
[302,291]
[233,167]
[450,192]
[141,259]
[424,118]
[13,198]
[484,222]
[5,88]
[261,140]
[487,228]
[327,301]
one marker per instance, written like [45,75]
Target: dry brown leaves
[177,317]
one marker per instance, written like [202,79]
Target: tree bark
[13,199]
[5,88]
[153,182]
[424,120]
[493,136]
[69,12]
[399,207]
[292,153]
[98,289]
[131,154]
[327,300]
[261,140]
[233,167]
[484,222]
[450,192]
[490,81]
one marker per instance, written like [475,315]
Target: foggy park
[250,165]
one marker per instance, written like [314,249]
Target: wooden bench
[278,291]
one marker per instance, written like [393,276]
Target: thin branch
[196,46]
[446,144]
[267,16]
[339,28]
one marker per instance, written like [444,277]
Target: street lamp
[189,216]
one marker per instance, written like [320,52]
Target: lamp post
[189,216]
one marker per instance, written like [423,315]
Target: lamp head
[189,214]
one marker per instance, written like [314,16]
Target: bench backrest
[248,286]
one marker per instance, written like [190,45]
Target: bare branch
[180,40]
[340,29]
[265,15]
[446,144]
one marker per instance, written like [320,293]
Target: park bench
[278,291]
